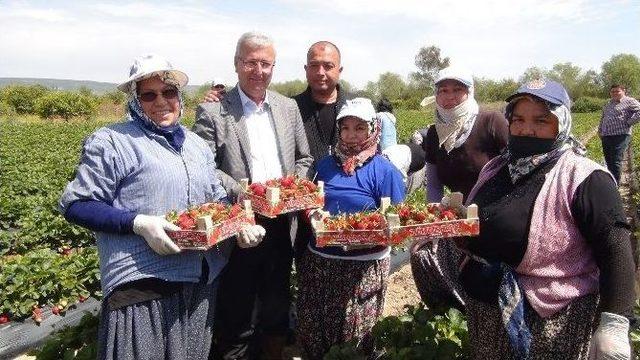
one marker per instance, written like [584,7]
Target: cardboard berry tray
[467,224]
[352,230]
[275,200]
[208,234]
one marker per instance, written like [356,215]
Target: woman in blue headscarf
[158,300]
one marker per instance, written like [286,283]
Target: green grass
[583,123]
[412,120]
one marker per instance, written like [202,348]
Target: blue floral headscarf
[173,133]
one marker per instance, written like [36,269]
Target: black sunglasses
[150,96]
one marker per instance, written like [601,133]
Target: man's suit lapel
[279,120]
[235,109]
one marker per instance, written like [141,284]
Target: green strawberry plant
[46,278]
[423,333]
[79,342]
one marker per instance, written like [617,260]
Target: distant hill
[62,84]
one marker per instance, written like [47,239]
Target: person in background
[341,291]
[462,140]
[618,115]
[158,301]
[218,87]
[408,158]
[385,114]
[256,134]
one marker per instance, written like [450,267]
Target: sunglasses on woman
[149,96]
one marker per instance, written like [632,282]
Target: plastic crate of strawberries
[280,196]
[447,219]
[205,225]
[358,229]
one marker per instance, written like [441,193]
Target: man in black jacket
[320,102]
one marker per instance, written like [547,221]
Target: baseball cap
[548,90]
[361,108]
[217,81]
[147,66]
[457,73]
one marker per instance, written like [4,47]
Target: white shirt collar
[248,104]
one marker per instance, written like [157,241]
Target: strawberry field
[45,261]
[48,265]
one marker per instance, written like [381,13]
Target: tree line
[589,89]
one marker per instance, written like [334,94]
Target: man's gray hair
[252,40]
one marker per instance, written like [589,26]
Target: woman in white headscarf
[159,300]
[457,146]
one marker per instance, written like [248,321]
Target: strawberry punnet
[290,186]
[186,220]
[424,213]
[357,221]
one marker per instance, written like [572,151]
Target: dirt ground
[401,291]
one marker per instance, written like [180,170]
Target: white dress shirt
[265,160]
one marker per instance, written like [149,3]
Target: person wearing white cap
[457,146]
[218,87]
[341,291]
[158,300]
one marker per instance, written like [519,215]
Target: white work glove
[610,341]
[251,236]
[152,228]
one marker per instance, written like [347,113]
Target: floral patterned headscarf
[519,167]
[354,156]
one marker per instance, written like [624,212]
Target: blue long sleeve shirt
[134,170]
[389,134]
[360,192]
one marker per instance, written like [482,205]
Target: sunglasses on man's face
[149,96]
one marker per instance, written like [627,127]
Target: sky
[98,40]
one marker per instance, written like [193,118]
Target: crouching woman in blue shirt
[158,300]
[341,291]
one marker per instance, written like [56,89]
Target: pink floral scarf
[353,157]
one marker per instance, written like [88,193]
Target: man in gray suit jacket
[257,134]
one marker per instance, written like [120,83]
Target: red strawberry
[55,310]
[258,189]
[420,217]
[36,314]
[186,222]
[448,215]
[404,212]
[235,210]
[4,318]
[65,250]
[361,225]
[287,182]
[82,298]
[311,187]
